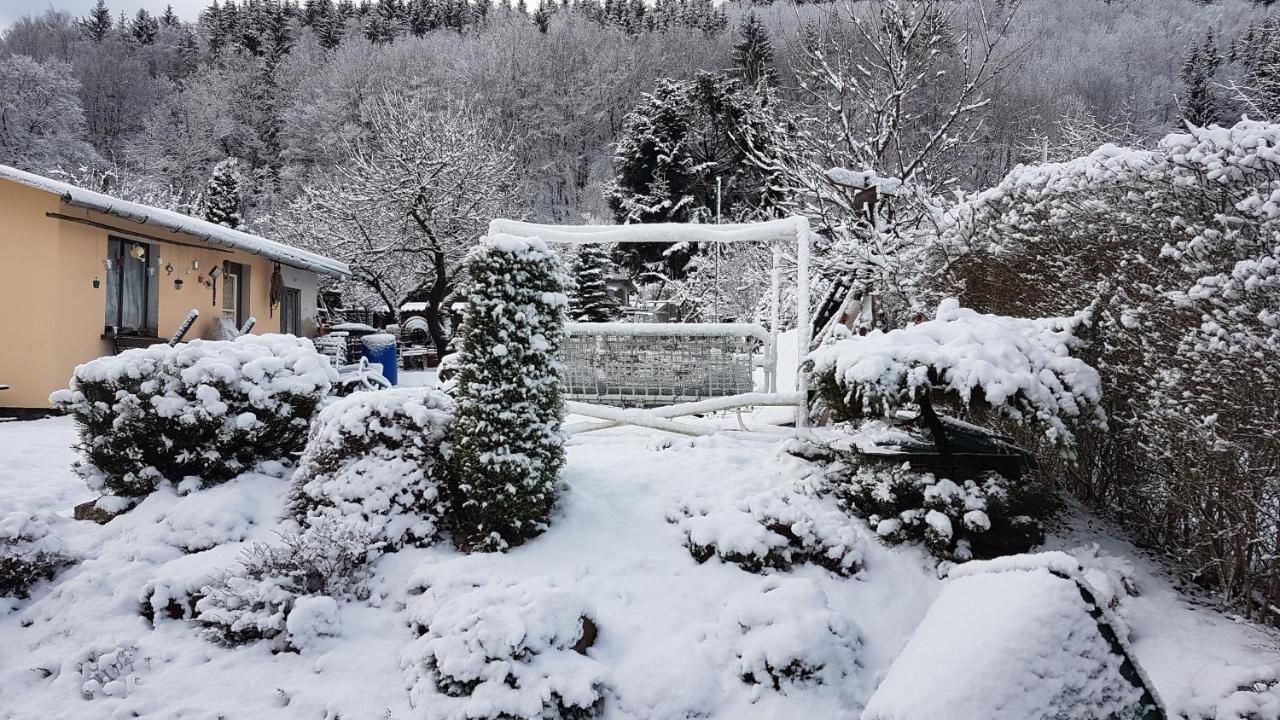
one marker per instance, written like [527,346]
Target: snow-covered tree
[591,300]
[1199,102]
[507,448]
[144,27]
[223,199]
[97,24]
[418,190]
[753,53]
[41,121]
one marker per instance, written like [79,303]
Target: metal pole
[775,316]
[803,331]
[715,248]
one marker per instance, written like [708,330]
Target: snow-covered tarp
[1015,639]
[1020,366]
[211,233]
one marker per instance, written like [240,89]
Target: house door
[235,306]
[291,312]
[131,296]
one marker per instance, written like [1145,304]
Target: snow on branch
[1022,367]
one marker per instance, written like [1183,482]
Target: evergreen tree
[222,201]
[507,447]
[753,53]
[591,300]
[144,27]
[1199,103]
[386,23]
[542,18]
[169,18]
[97,25]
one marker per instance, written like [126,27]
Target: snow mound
[788,636]
[776,529]
[1012,639]
[1233,692]
[503,650]
[1023,367]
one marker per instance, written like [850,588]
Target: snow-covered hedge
[258,599]
[955,520]
[1021,367]
[204,409]
[507,448]
[776,530]
[28,554]
[376,457]
[504,651]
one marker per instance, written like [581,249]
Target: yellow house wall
[51,316]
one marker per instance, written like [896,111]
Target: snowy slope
[675,636]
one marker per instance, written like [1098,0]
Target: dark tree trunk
[440,292]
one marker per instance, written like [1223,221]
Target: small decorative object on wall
[138,252]
[96,282]
[195,264]
[177,284]
[214,274]
[107,264]
[168,268]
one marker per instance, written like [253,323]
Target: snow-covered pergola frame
[709,344]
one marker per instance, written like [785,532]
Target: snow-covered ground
[675,636]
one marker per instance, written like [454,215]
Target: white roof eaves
[210,233]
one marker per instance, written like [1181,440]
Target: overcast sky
[11,10]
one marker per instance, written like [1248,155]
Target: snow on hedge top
[1020,366]
[785,229]
[1009,646]
[211,233]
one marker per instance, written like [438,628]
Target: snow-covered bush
[788,635]
[504,652]
[202,409]
[376,457]
[28,554]
[1232,692]
[1019,367]
[255,601]
[955,520]
[507,448]
[108,669]
[775,529]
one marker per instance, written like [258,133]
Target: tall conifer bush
[222,196]
[507,447]
[592,301]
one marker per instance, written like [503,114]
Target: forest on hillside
[1034,158]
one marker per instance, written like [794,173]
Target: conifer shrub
[28,554]
[204,409]
[507,448]
[377,458]
[591,299]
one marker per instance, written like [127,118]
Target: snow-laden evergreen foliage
[28,554]
[753,53]
[956,520]
[377,458]
[507,448]
[204,409]
[504,651]
[591,300]
[776,530]
[223,199]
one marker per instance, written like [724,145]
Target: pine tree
[223,200]
[542,18]
[97,25]
[753,53]
[507,447]
[1199,103]
[144,27]
[169,18]
[591,300]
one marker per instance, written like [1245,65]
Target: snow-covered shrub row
[503,651]
[1020,367]
[955,520]
[775,529]
[108,669]
[376,457]
[1233,692]
[507,448]
[258,599]
[209,410]
[28,554]
[788,635]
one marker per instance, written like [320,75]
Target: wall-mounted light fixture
[96,282]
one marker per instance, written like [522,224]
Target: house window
[131,297]
[235,294]
[291,312]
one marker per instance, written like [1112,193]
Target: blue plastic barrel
[380,348]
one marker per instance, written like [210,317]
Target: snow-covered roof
[211,233]
[413,307]
[785,229]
